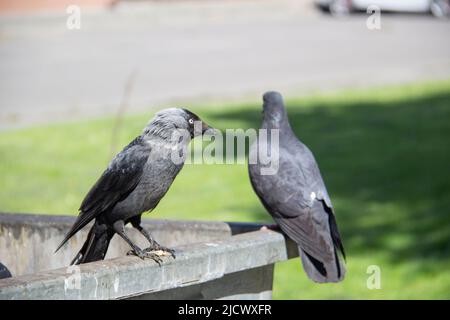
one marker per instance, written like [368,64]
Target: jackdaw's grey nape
[134,182]
[296,196]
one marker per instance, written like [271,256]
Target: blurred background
[368,91]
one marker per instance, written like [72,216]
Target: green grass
[384,154]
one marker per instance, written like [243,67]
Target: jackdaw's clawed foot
[146,255]
[160,251]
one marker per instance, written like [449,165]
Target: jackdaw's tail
[95,246]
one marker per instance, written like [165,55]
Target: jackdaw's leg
[154,246]
[119,229]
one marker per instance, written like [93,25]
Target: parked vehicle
[439,8]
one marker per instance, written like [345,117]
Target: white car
[439,8]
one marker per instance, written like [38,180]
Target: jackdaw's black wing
[115,184]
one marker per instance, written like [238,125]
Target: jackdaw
[296,195]
[135,181]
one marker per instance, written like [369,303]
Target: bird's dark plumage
[4,272]
[134,182]
[115,184]
[296,196]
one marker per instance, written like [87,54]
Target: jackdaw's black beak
[206,129]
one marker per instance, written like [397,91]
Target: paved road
[187,52]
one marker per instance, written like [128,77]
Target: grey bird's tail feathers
[326,271]
[331,271]
[95,246]
[322,272]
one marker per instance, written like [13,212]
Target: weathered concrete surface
[130,276]
[255,284]
[28,242]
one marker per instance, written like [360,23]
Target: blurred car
[439,8]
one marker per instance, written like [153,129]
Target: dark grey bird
[135,181]
[295,194]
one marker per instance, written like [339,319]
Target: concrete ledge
[217,260]
[28,241]
[130,276]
